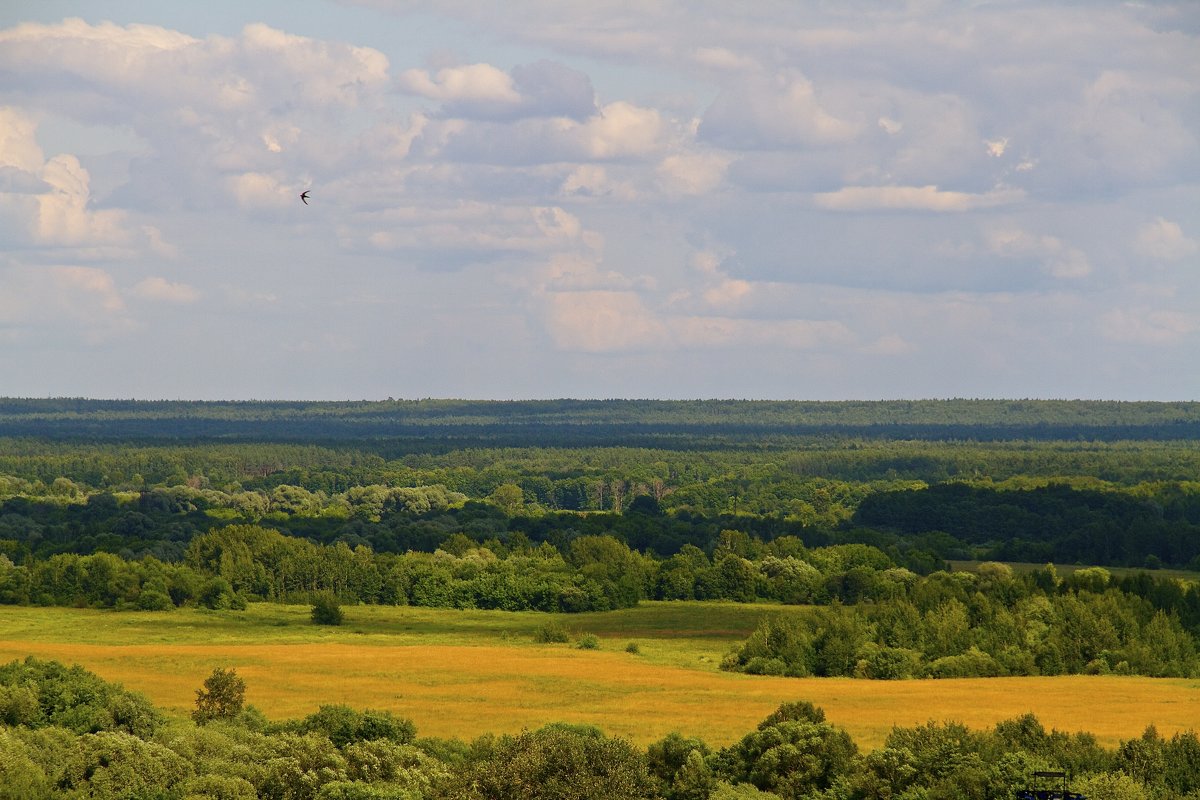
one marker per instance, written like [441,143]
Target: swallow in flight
[304,196]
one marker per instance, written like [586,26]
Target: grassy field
[464,673]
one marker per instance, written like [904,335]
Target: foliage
[588,641]
[222,697]
[959,625]
[344,726]
[326,610]
[558,762]
[36,693]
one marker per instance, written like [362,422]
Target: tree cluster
[988,624]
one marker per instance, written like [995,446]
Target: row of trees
[879,620]
[66,733]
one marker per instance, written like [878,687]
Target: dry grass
[467,673]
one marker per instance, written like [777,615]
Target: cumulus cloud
[1164,240]
[541,89]
[47,204]
[205,108]
[472,83]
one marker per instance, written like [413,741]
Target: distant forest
[566,506]
[413,425]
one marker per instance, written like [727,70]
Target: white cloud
[51,205]
[914,198]
[541,89]
[1164,240]
[18,141]
[594,181]
[622,130]
[204,108]
[158,288]
[472,82]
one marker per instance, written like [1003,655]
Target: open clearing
[465,673]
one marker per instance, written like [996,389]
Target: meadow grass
[466,673]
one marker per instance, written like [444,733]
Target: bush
[633,648]
[551,633]
[344,726]
[153,600]
[589,641]
[326,610]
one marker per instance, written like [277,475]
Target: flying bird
[304,196]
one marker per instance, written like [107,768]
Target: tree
[559,762]
[222,697]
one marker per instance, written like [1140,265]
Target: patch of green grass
[693,634]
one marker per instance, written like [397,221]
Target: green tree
[558,762]
[223,696]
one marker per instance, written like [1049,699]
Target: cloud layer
[849,200]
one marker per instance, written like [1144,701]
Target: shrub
[344,726]
[551,633]
[633,648]
[326,610]
[589,641]
[153,600]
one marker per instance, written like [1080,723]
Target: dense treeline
[983,624]
[1151,524]
[1145,525]
[66,733]
[883,620]
[608,422]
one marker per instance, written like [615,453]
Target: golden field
[465,673]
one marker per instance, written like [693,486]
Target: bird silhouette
[304,196]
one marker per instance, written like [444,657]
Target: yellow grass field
[457,673]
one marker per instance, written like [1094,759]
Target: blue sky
[600,199]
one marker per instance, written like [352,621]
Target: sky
[599,199]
